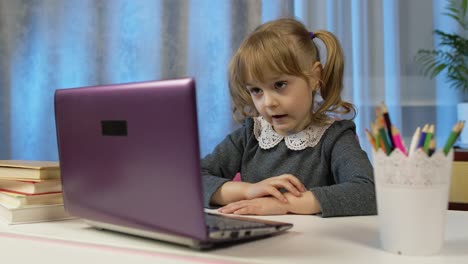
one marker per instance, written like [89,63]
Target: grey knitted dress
[336,170]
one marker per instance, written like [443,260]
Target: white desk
[312,240]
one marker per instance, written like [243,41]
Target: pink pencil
[398,141]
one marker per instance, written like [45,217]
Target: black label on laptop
[114,127]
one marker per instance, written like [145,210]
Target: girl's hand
[257,206]
[271,186]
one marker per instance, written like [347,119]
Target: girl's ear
[316,70]
[316,74]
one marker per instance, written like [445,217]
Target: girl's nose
[270,100]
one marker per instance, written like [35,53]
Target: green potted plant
[451,57]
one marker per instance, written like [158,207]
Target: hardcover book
[32,214]
[31,187]
[460,154]
[29,169]
[459,183]
[17,200]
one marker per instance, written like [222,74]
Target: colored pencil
[382,145]
[414,141]
[422,136]
[376,136]
[427,140]
[388,123]
[371,139]
[460,129]
[398,141]
[383,136]
[432,146]
[456,130]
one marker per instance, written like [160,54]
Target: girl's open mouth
[278,116]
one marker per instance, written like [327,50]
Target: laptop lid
[130,162]
[129,155]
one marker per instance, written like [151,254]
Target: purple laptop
[130,162]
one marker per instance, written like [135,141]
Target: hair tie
[321,48]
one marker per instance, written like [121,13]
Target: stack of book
[459,185]
[30,191]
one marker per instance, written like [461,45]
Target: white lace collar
[268,138]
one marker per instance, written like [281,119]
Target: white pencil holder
[412,199]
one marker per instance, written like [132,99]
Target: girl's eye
[255,90]
[281,85]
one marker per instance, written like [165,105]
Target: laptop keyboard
[219,222]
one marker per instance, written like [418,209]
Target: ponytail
[332,77]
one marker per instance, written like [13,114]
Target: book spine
[460,155]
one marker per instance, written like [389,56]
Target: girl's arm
[353,192]
[235,191]
[219,167]
[304,204]
[230,192]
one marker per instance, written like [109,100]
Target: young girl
[293,157]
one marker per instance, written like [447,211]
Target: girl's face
[285,101]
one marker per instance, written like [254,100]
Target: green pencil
[456,130]
[383,136]
[427,140]
[376,136]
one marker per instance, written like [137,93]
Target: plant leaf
[451,54]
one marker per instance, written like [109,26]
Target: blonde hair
[284,46]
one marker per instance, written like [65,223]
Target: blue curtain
[50,44]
